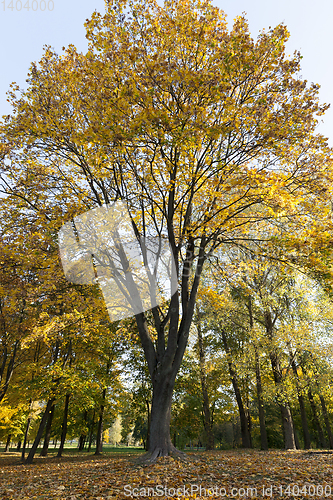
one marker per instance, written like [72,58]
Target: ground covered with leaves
[219,474]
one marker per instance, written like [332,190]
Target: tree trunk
[18,447]
[42,425]
[64,426]
[288,427]
[326,420]
[36,358]
[11,363]
[83,437]
[247,409]
[148,427]
[45,448]
[323,405]
[99,437]
[298,446]
[262,419]
[81,443]
[27,427]
[305,427]
[8,443]
[208,420]
[160,440]
[287,421]
[91,431]
[261,408]
[317,426]
[10,369]
[246,438]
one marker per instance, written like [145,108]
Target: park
[166,282]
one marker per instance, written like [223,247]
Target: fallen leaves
[104,478]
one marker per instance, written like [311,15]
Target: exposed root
[162,454]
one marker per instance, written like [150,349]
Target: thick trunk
[99,437]
[45,448]
[165,356]
[208,420]
[288,427]
[19,444]
[246,438]
[8,442]
[81,443]
[42,424]
[262,419]
[160,441]
[315,419]
[326,420]
[64,426]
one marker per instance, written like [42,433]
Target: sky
[23,33]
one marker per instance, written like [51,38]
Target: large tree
[203,132]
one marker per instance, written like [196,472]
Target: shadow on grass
[70,455]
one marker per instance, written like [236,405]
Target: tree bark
[27,427]
[261,409]
[323,406]
[317,426]
[246,438]
[36,358]
[42,425]
[160,439]
[164,358]
[64,426]
[287,421]
[45,448]
[9,371]
[298,446]
[208,419]
[147,444]
[91,431]
[8,443]
[326,420]
[83,437]
[305,427]
[99,436]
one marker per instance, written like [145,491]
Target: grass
[72,450]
